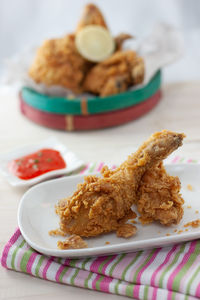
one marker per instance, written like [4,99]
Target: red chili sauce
[35,164]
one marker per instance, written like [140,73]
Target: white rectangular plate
[36,217]
[71,160]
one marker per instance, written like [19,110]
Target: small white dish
[72,162]
[36,217]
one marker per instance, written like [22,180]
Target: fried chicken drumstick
[158,197]
[103,204]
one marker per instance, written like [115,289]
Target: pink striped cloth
[163,273]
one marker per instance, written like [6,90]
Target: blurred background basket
[93,113]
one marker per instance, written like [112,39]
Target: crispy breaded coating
[114,75]
[159,198]
[103,204]
[126,231]
[58,63]
[72,242]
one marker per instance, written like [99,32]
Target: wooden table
[179,110]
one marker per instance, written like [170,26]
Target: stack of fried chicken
[104,204]
[58,62]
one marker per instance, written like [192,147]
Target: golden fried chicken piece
[103,204]
[159,198]
[91,16]
[58,63]
[114,75]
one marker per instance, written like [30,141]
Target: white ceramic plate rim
[130,246]
[70,158]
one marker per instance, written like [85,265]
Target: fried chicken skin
[91,16]
[59,63]
[115,74]
[103,204]
[159,198]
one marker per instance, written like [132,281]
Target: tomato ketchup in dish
[36,164]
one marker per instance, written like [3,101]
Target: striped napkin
[163,273]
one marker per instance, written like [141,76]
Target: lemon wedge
[94,43]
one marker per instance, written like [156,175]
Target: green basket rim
[61,105]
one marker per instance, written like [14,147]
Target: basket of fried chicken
[88,79]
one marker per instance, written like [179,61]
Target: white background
[24,23]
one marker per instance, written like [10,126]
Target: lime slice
[95,43]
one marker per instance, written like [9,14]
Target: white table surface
[179,110]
